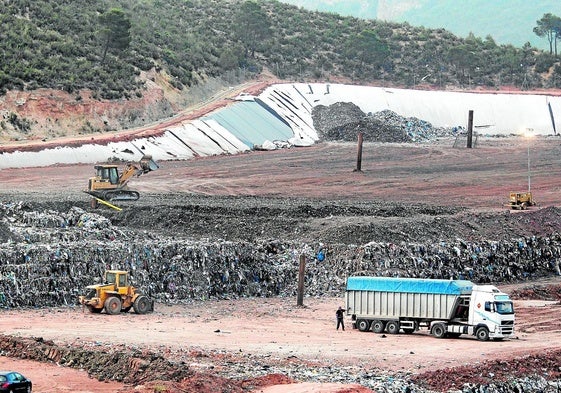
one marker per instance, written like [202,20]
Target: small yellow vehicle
[116,295]
[520,200]
[110,184]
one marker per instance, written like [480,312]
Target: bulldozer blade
[108,204]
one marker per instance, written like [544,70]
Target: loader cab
[118,277]
[107,173]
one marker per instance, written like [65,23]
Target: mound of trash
[343,121]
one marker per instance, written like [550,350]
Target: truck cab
[491,313]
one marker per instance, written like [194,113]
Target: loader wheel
[94,310]
[112,306]
[142,305]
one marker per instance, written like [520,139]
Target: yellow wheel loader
[115,295]
[111,185]
[520,200]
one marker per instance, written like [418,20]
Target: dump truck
[447,308]
[109,184]
[520,200]
[115,295]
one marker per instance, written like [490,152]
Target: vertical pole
[359,154]
[300,300]
[529,174]
[470,130]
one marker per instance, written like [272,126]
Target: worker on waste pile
[340,315]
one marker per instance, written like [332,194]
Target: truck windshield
[504,307]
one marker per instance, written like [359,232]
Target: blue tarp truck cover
[409,285]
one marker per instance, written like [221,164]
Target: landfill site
[217,242]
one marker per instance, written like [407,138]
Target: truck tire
[482,333]
[439,330]
[392,327]
[112,305]
[363,325]
[378,326]
[142,305]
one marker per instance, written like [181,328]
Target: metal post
[529,173]
[470,130]
[300,300]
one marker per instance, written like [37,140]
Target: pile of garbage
[49,257]
[343,121]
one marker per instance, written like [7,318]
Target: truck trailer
[447,308]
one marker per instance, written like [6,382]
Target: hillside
[479,17]
[117,68]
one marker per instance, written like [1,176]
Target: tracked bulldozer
[115,295]
[111,185]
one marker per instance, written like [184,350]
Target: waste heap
[343,121]
[47,258]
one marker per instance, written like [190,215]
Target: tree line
[104,46]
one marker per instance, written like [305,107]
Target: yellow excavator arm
[109,185]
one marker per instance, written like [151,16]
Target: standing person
[340,315]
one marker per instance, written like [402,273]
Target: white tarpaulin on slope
[494,114]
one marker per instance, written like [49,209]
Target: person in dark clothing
[340,318]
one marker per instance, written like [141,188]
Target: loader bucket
[148,164]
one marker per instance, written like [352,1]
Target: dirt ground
[210,336]
[463,189]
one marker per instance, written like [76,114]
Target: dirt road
[269,335]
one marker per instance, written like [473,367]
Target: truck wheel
[378,326]
[142,305]
[439,330]
[392,327]
[363,325]
[482,334]
[112,305]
